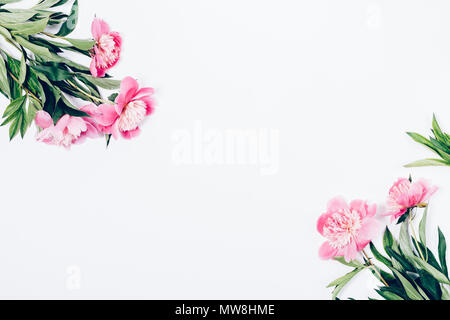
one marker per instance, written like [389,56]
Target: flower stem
[87,94]
[24,88]
[415,238]
[375,269]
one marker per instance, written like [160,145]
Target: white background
[340,81]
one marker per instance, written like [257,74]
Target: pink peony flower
[132,106]
[106,52]
[67,131]
[405,194]
[348,228]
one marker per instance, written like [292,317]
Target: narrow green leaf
[14,128]
[353,264]
[81,44]
[405,244]
[108,84]
[428,163]
[443,252]
[38,50]
[4,83]
[71,22]
[423,227]
[23,70]
[27,28]
[14,106]
[439,276]
[411,292]
[388,295]
[438,132]
[342,282]
[388,240]
[379,256]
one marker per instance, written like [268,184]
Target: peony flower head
[67,131]
[347,228]
[124,118]
[106,52]
[405,195]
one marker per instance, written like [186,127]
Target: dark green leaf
[71,22]
[442,252]
[379,256]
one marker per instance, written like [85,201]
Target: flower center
[342,227]
[132,115]
[106,42]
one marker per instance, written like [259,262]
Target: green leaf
[445,294]
[27,28]
[423,227]
[71,22]
[23,70]
[81,44]
[54,71]
[438,132]
[405,244]
[353,264]
[428,163]
[4,83]
[70,109]
[108,84]
[342,282]
[46,4]
[14,128]
[379,256]
[421,139]
[108,139]
[14,106]
[388,240]
[411,292]
[113,97]
[442,252]
[429,284]
[40,51]
[389,295]
[439,276]
[2,2]
[16,17]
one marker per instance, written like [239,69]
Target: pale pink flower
[405,194]
[67,131]
[347,228]
[106,52]
[132,106]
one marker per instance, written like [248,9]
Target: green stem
[87,94]
[375,269]
[25,88]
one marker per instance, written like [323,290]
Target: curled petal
[99,28]
[43,119]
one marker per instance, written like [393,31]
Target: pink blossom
[347,228]
[405,194]
[67,131]
[132,106]
[106,52]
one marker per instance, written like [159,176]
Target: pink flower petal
[326,251]
[337,204]
[131,134]
[106,115]
[99,28]
[43,119]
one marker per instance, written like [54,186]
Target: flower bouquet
[407,269]
[43,85]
